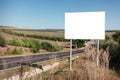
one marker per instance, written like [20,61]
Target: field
[45,32]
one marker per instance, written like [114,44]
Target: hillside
[7,50]
[28,41]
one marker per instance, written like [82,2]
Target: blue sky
[49,14]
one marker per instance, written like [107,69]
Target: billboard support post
[97,59]
[70,54]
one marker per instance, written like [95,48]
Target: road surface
[11,62]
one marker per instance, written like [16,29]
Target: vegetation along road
[10,62]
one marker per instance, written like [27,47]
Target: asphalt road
[10,62]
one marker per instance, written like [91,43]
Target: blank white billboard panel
[85,25]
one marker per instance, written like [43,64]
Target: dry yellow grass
[84,68]
[46,33]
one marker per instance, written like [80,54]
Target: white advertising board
[85,25]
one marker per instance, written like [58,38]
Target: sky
[50,14]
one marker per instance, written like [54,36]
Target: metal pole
[70,54]
[97,52]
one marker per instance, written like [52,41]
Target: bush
[49,47]
[57,47]
[35,45]
[17,51]
[35,50]
[16,42]
[30,43]
[116,36]
[79,43]
[114,53]
[2,41]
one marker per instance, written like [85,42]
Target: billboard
[85,25]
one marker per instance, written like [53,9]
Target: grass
[22,38]
[84,68]
[25,42]
[45,32]
[54,38]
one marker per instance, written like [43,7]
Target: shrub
[46,46]
[79,43]
[107,37]
[49,47]
[35,50]
[116,36]
[2,41]
[17,51]
[33,44]
[114,51]
[16,42]
[57,47]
